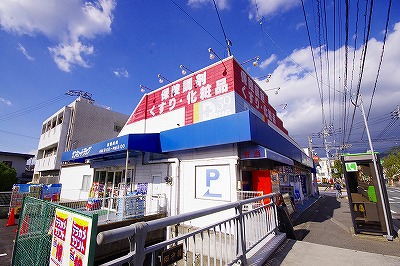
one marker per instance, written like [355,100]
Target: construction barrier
[51,234]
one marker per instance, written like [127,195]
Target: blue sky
[108,48]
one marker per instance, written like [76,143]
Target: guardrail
[233,240]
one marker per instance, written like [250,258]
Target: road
[394,201]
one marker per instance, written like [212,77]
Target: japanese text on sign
[78,237]
[60,228]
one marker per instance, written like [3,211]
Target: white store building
[199,141]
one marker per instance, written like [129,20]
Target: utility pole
[325,133]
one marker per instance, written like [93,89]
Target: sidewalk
[324,233]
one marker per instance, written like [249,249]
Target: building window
[117,128]
[9,163]
[60,118]
[86,182]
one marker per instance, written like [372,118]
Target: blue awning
[243,127]
[132,142]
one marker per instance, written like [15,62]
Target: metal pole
[389,236]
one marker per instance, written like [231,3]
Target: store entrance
[113,182]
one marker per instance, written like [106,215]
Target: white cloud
[299,89]
[24,52]
[268,61]
[6,102]
[264,8]
[222,4]
[70,22]
[121,72]
[65,55]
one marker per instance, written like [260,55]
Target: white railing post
[241,235]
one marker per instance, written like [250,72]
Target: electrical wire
[32,108]
[380,61]
[362,64]
[198,24]
[17,134]
[228,42]
[313,57]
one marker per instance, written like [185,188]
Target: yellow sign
[70,243]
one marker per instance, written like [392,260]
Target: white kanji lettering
[256,91]
[251,97]
[152,111]
[265,111]
[257,102]
[201,79]
[244,77]
[221,86]
[171,103]
[250,84]
[175,90]
[262,97]
[161,107]
[244,92]
[205,92]
[187,85]
[191,97]
[164,94]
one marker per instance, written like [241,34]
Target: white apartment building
[79,124]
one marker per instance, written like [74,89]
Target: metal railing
[111,209]
[229,241]
[5,198]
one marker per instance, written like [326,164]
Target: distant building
[79,124]
[17,161]
[323,175]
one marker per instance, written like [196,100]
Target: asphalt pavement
[7,237]
[325,236]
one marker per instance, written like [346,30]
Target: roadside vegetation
[8,177]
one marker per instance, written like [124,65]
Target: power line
[195,21]
[228,42]
[313,57]
[380,61]
[17,134]
[32,108]
[360,76]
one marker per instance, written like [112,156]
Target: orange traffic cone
[11,218]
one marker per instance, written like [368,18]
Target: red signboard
[216,80]
[194,88]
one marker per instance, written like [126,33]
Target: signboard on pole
[351,167]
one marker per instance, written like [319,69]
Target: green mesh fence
[34,234]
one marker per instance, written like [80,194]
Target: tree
[337,171]
[391,165]
[8,177]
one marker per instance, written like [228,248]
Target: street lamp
[184,69]
[161,79]
[284,106]
[275,89]
[213,54]
[254,59]
[144,88]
